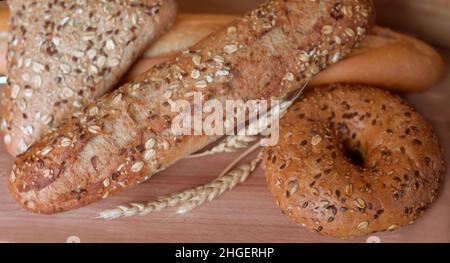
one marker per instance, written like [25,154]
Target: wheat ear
[231,144]
[190,198]
[234,143]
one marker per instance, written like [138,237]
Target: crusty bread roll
[388,59]
[125,137]
[385,58]
[61,56]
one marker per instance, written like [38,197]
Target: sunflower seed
[197,60]
[327,29]
[363,225]
[359,202]
[316,139]
[349,189]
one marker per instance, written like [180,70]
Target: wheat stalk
[231,144]
[190,198]
[234,143]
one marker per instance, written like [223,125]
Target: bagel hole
[353,154]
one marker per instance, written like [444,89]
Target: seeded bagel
[353,160]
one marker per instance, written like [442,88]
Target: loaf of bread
[62,55]
[125,137]
[384,58]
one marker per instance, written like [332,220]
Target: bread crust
[124,138]
[62,55]
[316,184]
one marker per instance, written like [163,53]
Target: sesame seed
[38,67]
[106,182]
[15,91]
[230,49]
[137,166]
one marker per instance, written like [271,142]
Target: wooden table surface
[246,214]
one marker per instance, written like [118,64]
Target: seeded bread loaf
[63,54]
[125,137]
[376,61]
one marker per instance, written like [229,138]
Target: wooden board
[246,214]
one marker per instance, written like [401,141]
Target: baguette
[125,137]
[384,58]
[82,48]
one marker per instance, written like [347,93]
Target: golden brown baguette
[125,137]
[384,58]
[63,55]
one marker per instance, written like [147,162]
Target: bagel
[353,160]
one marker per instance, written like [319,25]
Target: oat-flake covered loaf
[64,54]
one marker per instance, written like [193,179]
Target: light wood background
[246,214]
